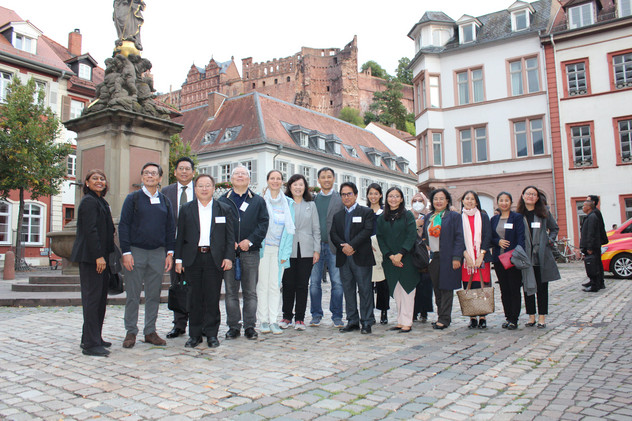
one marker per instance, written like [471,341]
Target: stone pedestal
[119,142]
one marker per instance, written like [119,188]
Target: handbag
[505,259]
[476,302]
[178,295]
[591,263]
[420,255]
[115,282]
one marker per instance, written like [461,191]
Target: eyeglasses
[205,186]
[531,194]
[185,169]
[347,194]
[150,173]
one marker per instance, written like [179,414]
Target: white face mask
[418,206]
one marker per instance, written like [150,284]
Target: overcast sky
[178,34]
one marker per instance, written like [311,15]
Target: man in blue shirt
[147,238]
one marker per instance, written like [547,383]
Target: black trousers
[443,297]
[597,280]
[205,283]
[94,295]
[510,281]
[179,319]
[296,286]
[542,295]
[382,296]
[423,295]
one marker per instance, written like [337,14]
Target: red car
[616,257]
[622,231]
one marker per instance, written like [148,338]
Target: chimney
[215,100]
[74,42]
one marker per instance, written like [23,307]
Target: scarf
[472,245]
[280,199]
[434,229]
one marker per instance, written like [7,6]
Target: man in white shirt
[204,250]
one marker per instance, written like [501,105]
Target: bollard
[9,266]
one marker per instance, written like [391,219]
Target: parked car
[623,231]
[616,257]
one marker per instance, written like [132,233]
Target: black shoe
[530,324]
[437,326]
[602,285]
[512,326]
[233,333]
[175,332]
[97,351]
[193,342]
[587,284]
[365,329]
[350,328]
[505,325]
[591,289]
[251,333]
[405,330]
[105,344]
[473,324]
[482,324]
[384,317]
[213,342]
[395,328]
[541,325]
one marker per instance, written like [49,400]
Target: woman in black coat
[93,244]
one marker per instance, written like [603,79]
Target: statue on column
[128,18]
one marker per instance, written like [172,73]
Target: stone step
[66,299]
[58,279]
[53,287]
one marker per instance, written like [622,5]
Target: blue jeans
[315,285]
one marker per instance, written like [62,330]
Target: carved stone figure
[128,18]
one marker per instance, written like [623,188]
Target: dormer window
[333,145]
[85,71]
[317,141]
[580,16]
[467,33]
[24,43]
[403,164]
[373,155]
[303,139]
[520,20]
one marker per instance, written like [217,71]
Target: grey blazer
[541,240]
[335,206]
[307,229]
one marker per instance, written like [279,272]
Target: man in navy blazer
[180,193]
[351,232]
[204,250]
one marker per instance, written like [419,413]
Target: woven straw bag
[476,302]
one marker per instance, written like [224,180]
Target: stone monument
[123,128]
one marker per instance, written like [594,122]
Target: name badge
[220,219]
[508,226]
[356,219]
[154,200]
[243,207]
[535,225]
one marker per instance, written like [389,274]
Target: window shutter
[215,173]
[65,108]
[253,171]
[291,170]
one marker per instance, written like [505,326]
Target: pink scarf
[472,244]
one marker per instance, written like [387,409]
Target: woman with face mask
[423,294]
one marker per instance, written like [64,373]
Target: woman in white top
[275,252]
[374,200]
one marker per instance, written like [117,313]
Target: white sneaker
[276,330]
[285,323]
[299,326]
[265,328]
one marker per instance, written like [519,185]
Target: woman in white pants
[275,252]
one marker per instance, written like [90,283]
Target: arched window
[32,224]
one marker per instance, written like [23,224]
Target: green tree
[351,115]
[178,149]
[404,75]
[376,69]
[31,158]
[387,107]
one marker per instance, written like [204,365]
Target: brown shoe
[154,339]
[129,341]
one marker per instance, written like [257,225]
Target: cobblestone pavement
[579,367]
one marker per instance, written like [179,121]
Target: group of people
[275,247]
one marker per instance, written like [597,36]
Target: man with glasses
[179,193]
[351,232]
[147,238]
[251,226]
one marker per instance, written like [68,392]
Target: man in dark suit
[205,249]
[351,234]
[592,234]
[180,193]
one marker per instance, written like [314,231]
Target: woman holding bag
[477,234]
[92,247]
[540,234]
[507,233]
[423,294]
